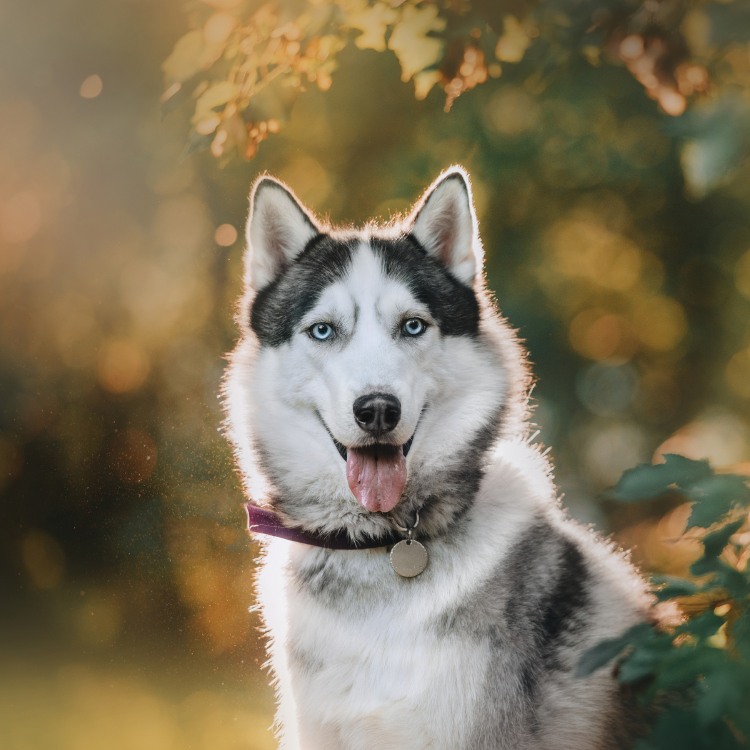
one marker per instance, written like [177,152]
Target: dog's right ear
[445,224]
[278,230]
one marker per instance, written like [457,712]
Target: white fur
[381,674]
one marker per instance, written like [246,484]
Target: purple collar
[264,521]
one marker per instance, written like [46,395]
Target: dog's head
[372,373]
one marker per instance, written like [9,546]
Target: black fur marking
[459,483]
[541,616]
[278,308]
[453,304]
[566,599]
[313,574]
[406,447]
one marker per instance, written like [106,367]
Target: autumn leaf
[373,22]
[218,94]
[191,54]
[414,49]
[423,83]
[183,62]
[218,28]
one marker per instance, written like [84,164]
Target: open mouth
[405,448]
[376,473]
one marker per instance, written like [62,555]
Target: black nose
[377,412]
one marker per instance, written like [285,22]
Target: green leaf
[675,728]
[714,496]
[733,581]
[715,542]
[705,566]
[724,576]
[740,630]
[673,587]
[645,659]
[724,692]
[686,665]
[647,481]
[197,142]
[703,626]
[601,654]
[713,545]
[639,665]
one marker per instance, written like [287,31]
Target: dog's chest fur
[474,653]
[367,679]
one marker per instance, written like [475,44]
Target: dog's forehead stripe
[278,308]
[452,304]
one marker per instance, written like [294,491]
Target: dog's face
[370,373]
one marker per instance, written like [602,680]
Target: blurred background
[617,233]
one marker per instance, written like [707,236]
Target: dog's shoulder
[546,580]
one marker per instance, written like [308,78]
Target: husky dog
[376,394]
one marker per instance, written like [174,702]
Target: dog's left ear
[278,230]
[445,224]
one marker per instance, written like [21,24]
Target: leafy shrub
[696,674]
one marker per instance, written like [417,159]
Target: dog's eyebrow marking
[452,304]
[279,307]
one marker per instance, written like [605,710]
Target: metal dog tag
[408,558]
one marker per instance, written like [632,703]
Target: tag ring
[409,529]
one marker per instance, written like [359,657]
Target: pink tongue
[376,476]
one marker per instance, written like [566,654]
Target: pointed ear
[278,230]
[444,223]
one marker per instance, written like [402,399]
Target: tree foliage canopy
[243,63]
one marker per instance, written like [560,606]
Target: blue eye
[321,331]
[414,327]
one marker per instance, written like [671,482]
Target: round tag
[408,558]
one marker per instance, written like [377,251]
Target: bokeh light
[225,235]
[91,87]
[20,217]
[122,366]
